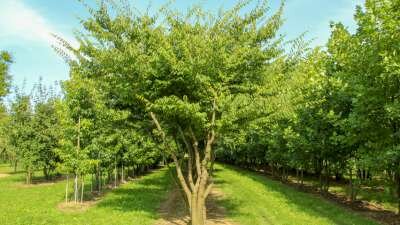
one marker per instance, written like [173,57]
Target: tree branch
[174,158]
[196,152]
[190,160]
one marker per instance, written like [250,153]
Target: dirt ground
[4,175]
[174,210]
[72,207]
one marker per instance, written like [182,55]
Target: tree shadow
[313,205]
[145,194]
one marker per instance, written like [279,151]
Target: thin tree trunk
[302,177]
[15,166]
[83,187]
[78,146]
[29,176]
[76,188]
[66,189]
[397,182]
[100,181]
[352,195]
[115,173]
[122,173]
[91,183]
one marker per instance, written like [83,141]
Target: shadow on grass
[144,194]
[310,204]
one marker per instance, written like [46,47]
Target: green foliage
[5,61]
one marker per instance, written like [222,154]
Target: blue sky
[25,27]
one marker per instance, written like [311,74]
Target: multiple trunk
[197,184]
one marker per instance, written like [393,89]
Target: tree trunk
[115,174]
[122,174]
[66,189]
[397,177]
[29,176]
[302,177]
[83,187]
[91,183]
[15,166]
[327,177]
[100,181]
[46,173]
[98,178]
[78,146]
[196,190]
[352,193]
[198,210]
[76,188]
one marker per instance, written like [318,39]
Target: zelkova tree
[176,71]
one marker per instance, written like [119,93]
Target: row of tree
[146,88]
[74,133]
[331,112]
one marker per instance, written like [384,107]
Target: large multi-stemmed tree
[176,72]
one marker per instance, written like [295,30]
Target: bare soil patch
[35,184]
[2,175]
[174,210]
[72,207]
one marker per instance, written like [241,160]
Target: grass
[378,191]
[249,198]
[374,192]
[6,168]
[132,203]
[252,199]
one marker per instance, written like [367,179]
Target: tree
[176,70]
[46,124]
[369,61]
[77,115]
[5,61]
[22,134]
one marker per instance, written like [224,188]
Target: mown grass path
[136,202]
[252,199]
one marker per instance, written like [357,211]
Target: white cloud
[20,21]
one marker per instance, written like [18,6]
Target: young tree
[46,124]
[77,115]
[22,134]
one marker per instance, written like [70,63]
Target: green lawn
[252,199]
[133,203]
[249,198]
